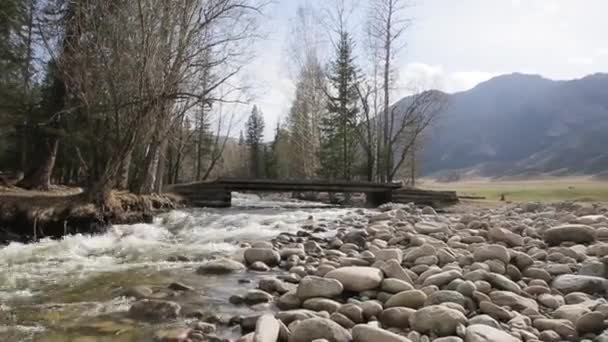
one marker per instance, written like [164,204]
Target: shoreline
[27,216]
[526,271]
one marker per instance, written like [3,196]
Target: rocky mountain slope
[522,125]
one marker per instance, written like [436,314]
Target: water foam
[25,269]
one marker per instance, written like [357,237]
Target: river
[70,289]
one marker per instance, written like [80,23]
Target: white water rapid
[78,273]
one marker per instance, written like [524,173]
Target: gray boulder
[318,328]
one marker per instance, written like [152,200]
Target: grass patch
[541,190]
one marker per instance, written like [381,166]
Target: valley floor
[542,190]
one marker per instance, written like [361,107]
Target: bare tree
[135,70]
[410,118]
[386,29]
[306,46]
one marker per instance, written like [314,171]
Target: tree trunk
[39,177]
[100,192]
[147,179]
[160,167]
[123,174]
[370,165]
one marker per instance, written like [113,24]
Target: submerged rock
[220,266]
[268,256]
[154,310]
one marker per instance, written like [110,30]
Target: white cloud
[581,61]
[601,52]
[417,76]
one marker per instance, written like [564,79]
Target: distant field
[543,190]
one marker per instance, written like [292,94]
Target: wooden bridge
[218,193]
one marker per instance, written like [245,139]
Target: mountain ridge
[522,125]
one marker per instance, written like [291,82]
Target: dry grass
[541,190]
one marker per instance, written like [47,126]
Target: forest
[136,95]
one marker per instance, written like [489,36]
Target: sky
[453,45]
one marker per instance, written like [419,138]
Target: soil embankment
[30,215]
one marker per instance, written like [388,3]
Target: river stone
[495,311]
[551,301]
[312,286]
[594,269]
[287,252]
[271,285]
[138,292]
[537,273]
[389,253]
[489,252]
[289,301]
[503,283]
[448,339]
[371,308]
[397,317]
[268,256]
[259,267]
[563,327]
[155,310]
[317,328]
[437,319]
[220,266]
[257,296]
[321,304]
[421,251]
[591,322]
[427,228]
[443,278]
[353,311]
[367,333]
[393,285]
[266,329]
[410,299]
[519,303]
[578,233]
[393,269]
[357,278]
[567,283]
[571,312]
[484,319]
[445,296]
[295,315]
[485,333]
[342,320]
[170,335]
[504,235]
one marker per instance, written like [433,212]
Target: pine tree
[255,133]
[339,125]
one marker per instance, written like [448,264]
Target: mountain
[521,125]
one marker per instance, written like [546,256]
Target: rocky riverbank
[28,215]
[529,272]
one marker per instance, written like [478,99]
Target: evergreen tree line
[343,124]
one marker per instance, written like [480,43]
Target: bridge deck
[217,193]
[273,185]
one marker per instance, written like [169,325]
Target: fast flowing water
[70,289]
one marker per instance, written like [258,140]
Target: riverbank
[524,272]
[31,215]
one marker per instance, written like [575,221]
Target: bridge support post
[374,199]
